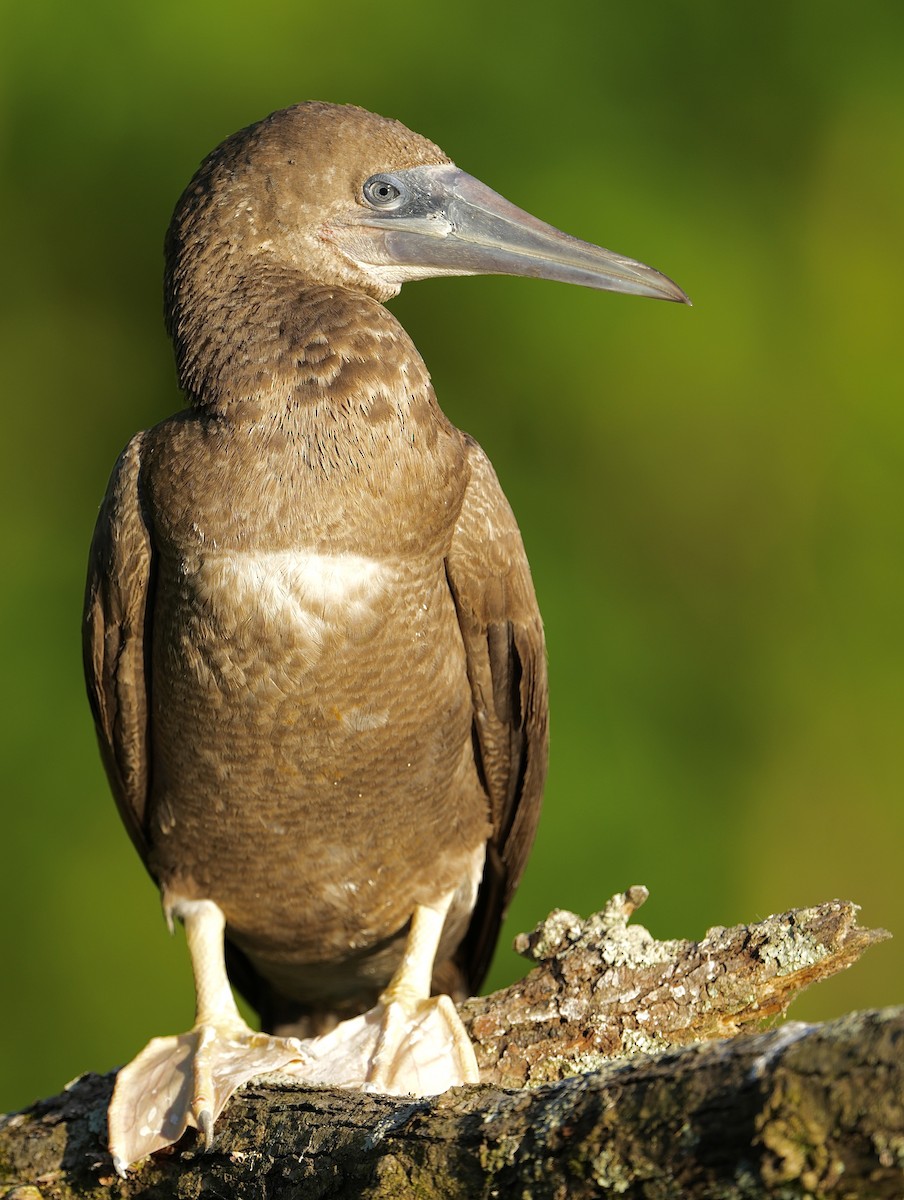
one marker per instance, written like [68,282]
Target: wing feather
[116,640]
[490,581]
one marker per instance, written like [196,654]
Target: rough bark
[604,988]
[798,1111]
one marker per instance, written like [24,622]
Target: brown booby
[313,650]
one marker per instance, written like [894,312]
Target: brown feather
[117,608]
[312,644]
[503,634]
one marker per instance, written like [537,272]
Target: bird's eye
[382,191]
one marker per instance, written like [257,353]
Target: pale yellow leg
[409,1043]
[186,1079]
[408,1004]
[216,1013]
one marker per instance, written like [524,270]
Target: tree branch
[802,1110]
[604,988]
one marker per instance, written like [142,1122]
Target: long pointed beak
[437,220]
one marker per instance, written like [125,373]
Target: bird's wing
[116,639]
[503,636]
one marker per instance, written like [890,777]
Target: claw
[205,1125]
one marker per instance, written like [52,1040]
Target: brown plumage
[313,649]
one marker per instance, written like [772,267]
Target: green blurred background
[711,497]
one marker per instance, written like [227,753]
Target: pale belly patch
[296,597]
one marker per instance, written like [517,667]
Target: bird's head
[351,199]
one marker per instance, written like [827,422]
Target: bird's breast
[303,596]
[311,710]
[311,718]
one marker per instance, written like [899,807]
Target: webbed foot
[410,1042]
[186,1080]
[401,1046]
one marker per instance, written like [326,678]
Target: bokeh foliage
[711,498]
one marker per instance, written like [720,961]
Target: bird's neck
[272,346]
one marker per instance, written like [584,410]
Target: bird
[312,645]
